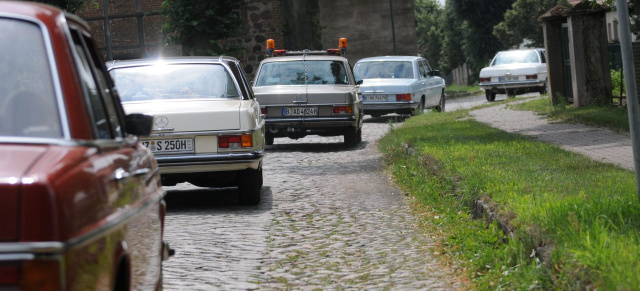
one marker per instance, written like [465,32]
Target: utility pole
[630,84]
[393,28]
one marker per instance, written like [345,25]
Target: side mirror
[359,82]
[139,124]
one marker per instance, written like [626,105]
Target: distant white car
[515,72]
[207,130]
[399,84]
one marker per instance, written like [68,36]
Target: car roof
[523,50]
[170,60]
[390,58]
[305,57]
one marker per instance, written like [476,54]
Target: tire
[359,135]
[544,89]
[419,110]
[268,140]
[491,96]
[376,115]
[351,136]
[249,184]
[441,104]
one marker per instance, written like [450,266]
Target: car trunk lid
[385,86]
[189,115]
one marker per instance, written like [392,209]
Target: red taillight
[9,274]
[279,52]
[235,141]
[342,109]
[333,52]
[263,110]
[484,80]
[532,77]
[40,275]
[403,97]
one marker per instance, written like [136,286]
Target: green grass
[585,214]
[613,117]
[454,90]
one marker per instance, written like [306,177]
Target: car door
[123,169]
[432,97]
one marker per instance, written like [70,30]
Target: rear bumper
[503,86]
[389,106]
[174,164]
[311,122]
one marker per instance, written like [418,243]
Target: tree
[429,17]
[67,5]
[478,17]
[199,25]
[452,55]
[521,22]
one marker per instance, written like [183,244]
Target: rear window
[383,70]
[28,106]
[302,73]
[516,57]
[174,81]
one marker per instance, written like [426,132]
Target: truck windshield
[302,73]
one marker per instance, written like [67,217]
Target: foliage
[617,82]
[479,17]
[429,17]
[199,25]
[521,22]
[574,220]
[451,54]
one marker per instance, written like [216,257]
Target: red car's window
[28,106]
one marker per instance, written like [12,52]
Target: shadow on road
[387,118]
[214,199]
[313,147]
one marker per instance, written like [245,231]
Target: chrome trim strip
[212,159]
[310,119]
[16,257]
[32,247]
[510,83]
[200,133]
[389,103]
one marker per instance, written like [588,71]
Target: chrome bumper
[171,164]
[511,85]
[372,106]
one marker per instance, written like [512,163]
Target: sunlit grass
[581,216]
[613,117]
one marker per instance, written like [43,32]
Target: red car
[81,203]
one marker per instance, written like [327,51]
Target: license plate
[509,78]
[169,145]
[300,111]
[375,97]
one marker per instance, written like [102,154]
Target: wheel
[376,115]
[440,106]
[419,110]
[544,89]
[268,140]
[249,184]
[351,136]
[359,135]
[491,96]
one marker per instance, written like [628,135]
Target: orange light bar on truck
[342,43]
[271,46]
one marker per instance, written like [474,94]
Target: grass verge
[613,117]
[454,90]
[575,222]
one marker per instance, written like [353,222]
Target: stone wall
[135,28]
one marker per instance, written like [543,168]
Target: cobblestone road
[330,219]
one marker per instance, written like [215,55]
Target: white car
[399,84]
[208,129]
[514,72]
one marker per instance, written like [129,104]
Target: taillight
[235,141]
[9,274]
[342,109]
[263,110]
[279,52]
[532,77]
[333,52]
[484,80]
[40,275]
[403,97]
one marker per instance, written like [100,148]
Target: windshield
[383,70]
[302,72]
[515,57]
[28,106]
[177,81]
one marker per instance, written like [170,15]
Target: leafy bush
[617,83]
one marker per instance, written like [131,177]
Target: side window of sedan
[102,109]
[422,69]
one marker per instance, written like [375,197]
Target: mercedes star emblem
[162,121]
